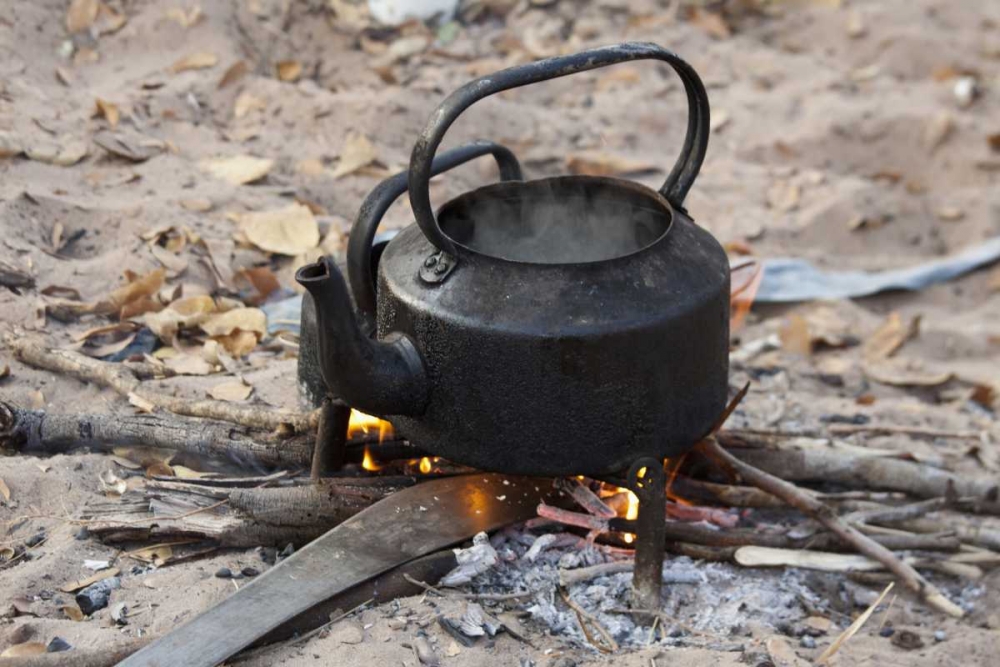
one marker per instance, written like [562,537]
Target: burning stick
[822,513]
[586,498]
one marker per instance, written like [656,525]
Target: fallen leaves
[131,146]
[784,196]
[107,110]
[906,373]
[199,60]
[358,152]
[93,579]
[937,130]
[234,73]
[237,169]
[64,151]
[72,612]
[81,14]
[713,23]
[291,230]
[4,490]
[597,163]
[24,650]
[889,337]
[232,391]
[237,319]
[289,70]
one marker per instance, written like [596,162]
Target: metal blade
[406,525]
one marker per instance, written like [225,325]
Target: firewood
[825,515]
[917,479]
[239,517]
[32,351]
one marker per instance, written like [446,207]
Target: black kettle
[568,325]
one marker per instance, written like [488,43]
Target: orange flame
[368,462]
[746,279]
[362,424]
[425,465]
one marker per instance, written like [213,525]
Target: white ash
[705,600]
[475,560]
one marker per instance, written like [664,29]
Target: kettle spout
[378,377]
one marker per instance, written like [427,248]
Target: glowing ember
[425,465]
[362,424]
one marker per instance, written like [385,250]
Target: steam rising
[555,221]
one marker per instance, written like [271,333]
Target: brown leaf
[985,395]
[233,391]
[72,612]
[199,60]
[108,20]
[159,469]
[24,650]
[711,22]
[61,291]
[187,312]
[263,280]
[5,372]
[236,71]
[237,169]
[289,70]
[239,344]
[174,264]
[597,163]
[142,457]
[143,286]
[144,405]
[237,319]
[889,337]
[109,111]
[4,490]
[795,336]
[93,579]
[358,152]
[81,15]
[993,141]
[189,364]
[186,17]
[904,373]
[199,205]
[158,554]
[291,230]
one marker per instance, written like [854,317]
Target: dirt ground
[837,136]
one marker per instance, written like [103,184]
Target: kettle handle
[674,189]
[359,258]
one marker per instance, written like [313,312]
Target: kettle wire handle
[359,259]
[674,189]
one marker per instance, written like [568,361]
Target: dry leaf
[183,472]
[200,60]
[795,336]
[782,654]
[289,70]
[889,337]
[109,20]
[174,264]
[711,22]
[37,400]
[938,130]
[235,72]
[141,287]
[983,394]
[993,141]
[189,364]
[286,231]
[93,579]
[5,372]
[237,169]
[81,15]
[358,152]
[65,153]
[109,111]
[238,344]
[4,490]
[784,196]
[144,405]
[720,118]
[159,469]
[186,18]
[72,612]
[6,553]
[198,205]
[132,146]
[23,650]
[856,25]
[233,391]
[904,373]
[263,280]
[242,319]
[596,163]
[142,457]
[950,213]
[158,554]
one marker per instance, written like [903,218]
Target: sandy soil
[826,113]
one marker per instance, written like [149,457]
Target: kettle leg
[648,481]
[331,438]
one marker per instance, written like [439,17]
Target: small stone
[807,642]
[907,640]
[269,555]
[224,573]
[57,645]
[35,539]
[887,631]
[347,633]
[562,661]
[96,596]
[249,572]
[940,636]
[82,534]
